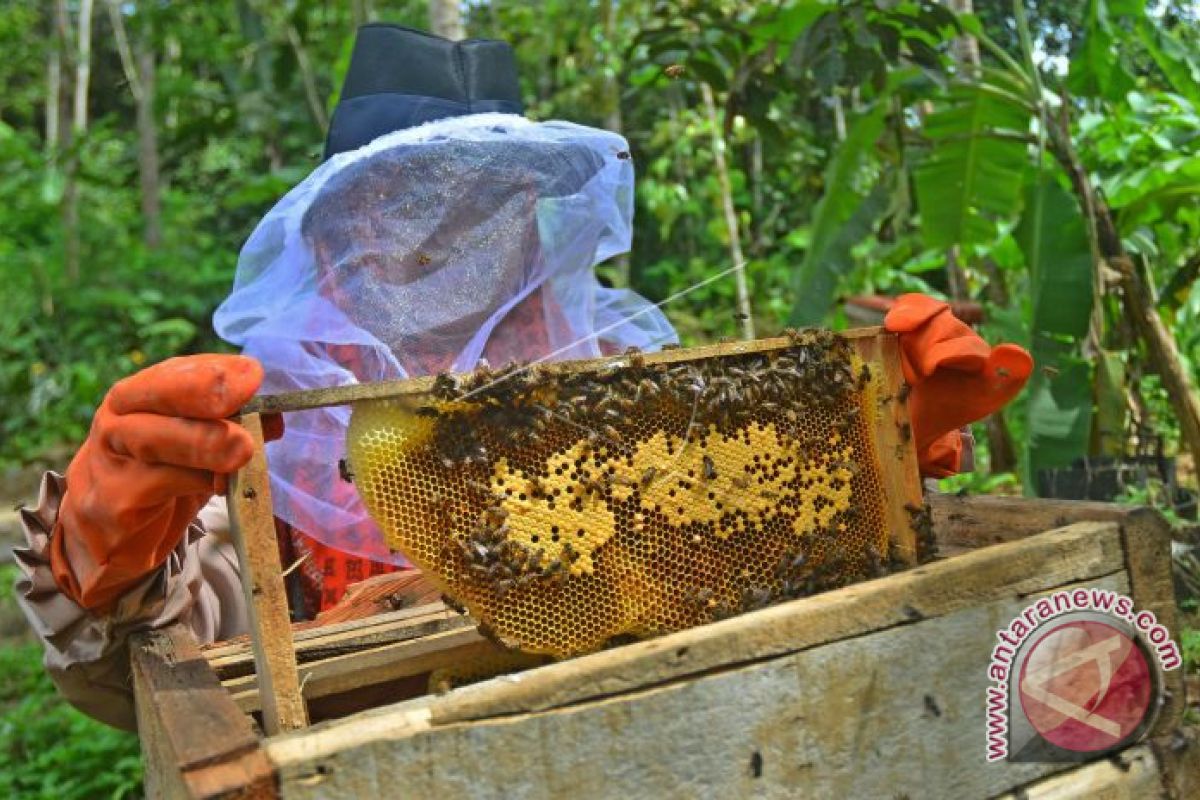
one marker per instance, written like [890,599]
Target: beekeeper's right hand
[159,447]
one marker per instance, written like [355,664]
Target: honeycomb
[568,510]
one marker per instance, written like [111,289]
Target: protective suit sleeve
[86,654]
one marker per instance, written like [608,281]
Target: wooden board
[416,387]
[975,522]
[195,740]
[235,658]
[872,690]
[898,469]
[252,524]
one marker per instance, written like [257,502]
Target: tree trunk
[731,220]
[614,120]
[52,145]
[79,123]
[445,19]
[83,66]
[361,12]
[966,48]
[1136,297]
[53,99]
[148,150]
[308,78]
[140,75]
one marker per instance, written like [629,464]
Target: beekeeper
[442,228]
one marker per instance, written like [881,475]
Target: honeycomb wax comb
[572,505]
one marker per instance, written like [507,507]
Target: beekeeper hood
[425,249]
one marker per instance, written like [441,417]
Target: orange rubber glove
[956,378]
[159,448]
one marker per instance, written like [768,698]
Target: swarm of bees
[566,509]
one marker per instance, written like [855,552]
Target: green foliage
[48,749]
[972,176]
[1189,641]
[845,216]
[1059,260]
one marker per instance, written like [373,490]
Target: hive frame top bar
[353,393]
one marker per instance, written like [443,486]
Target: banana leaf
[1054,240]
[974,171]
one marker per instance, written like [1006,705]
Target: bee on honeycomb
[567,509]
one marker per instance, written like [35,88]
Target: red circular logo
[1085,686]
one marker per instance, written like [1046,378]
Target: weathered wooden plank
[895,449]
[1134,774]
[978,521]
[892,713]
[196,743]
[1071,554]
[1179,754]
[1147,544]
[459,645]
[252,525]
[415,387]
[234,659]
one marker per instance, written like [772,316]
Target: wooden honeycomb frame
[282,702]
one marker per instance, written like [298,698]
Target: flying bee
[344,471]
[623,155]
[674,71]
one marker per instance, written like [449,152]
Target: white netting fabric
[425,251]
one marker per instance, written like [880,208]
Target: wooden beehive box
[875,689]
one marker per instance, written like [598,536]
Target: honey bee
[612,433]
[674,71]
[344,471]
[453,604]
[703,598]
[648,476]
[710,469]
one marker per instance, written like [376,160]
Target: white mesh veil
[424,251]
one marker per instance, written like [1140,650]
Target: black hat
[400,78]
